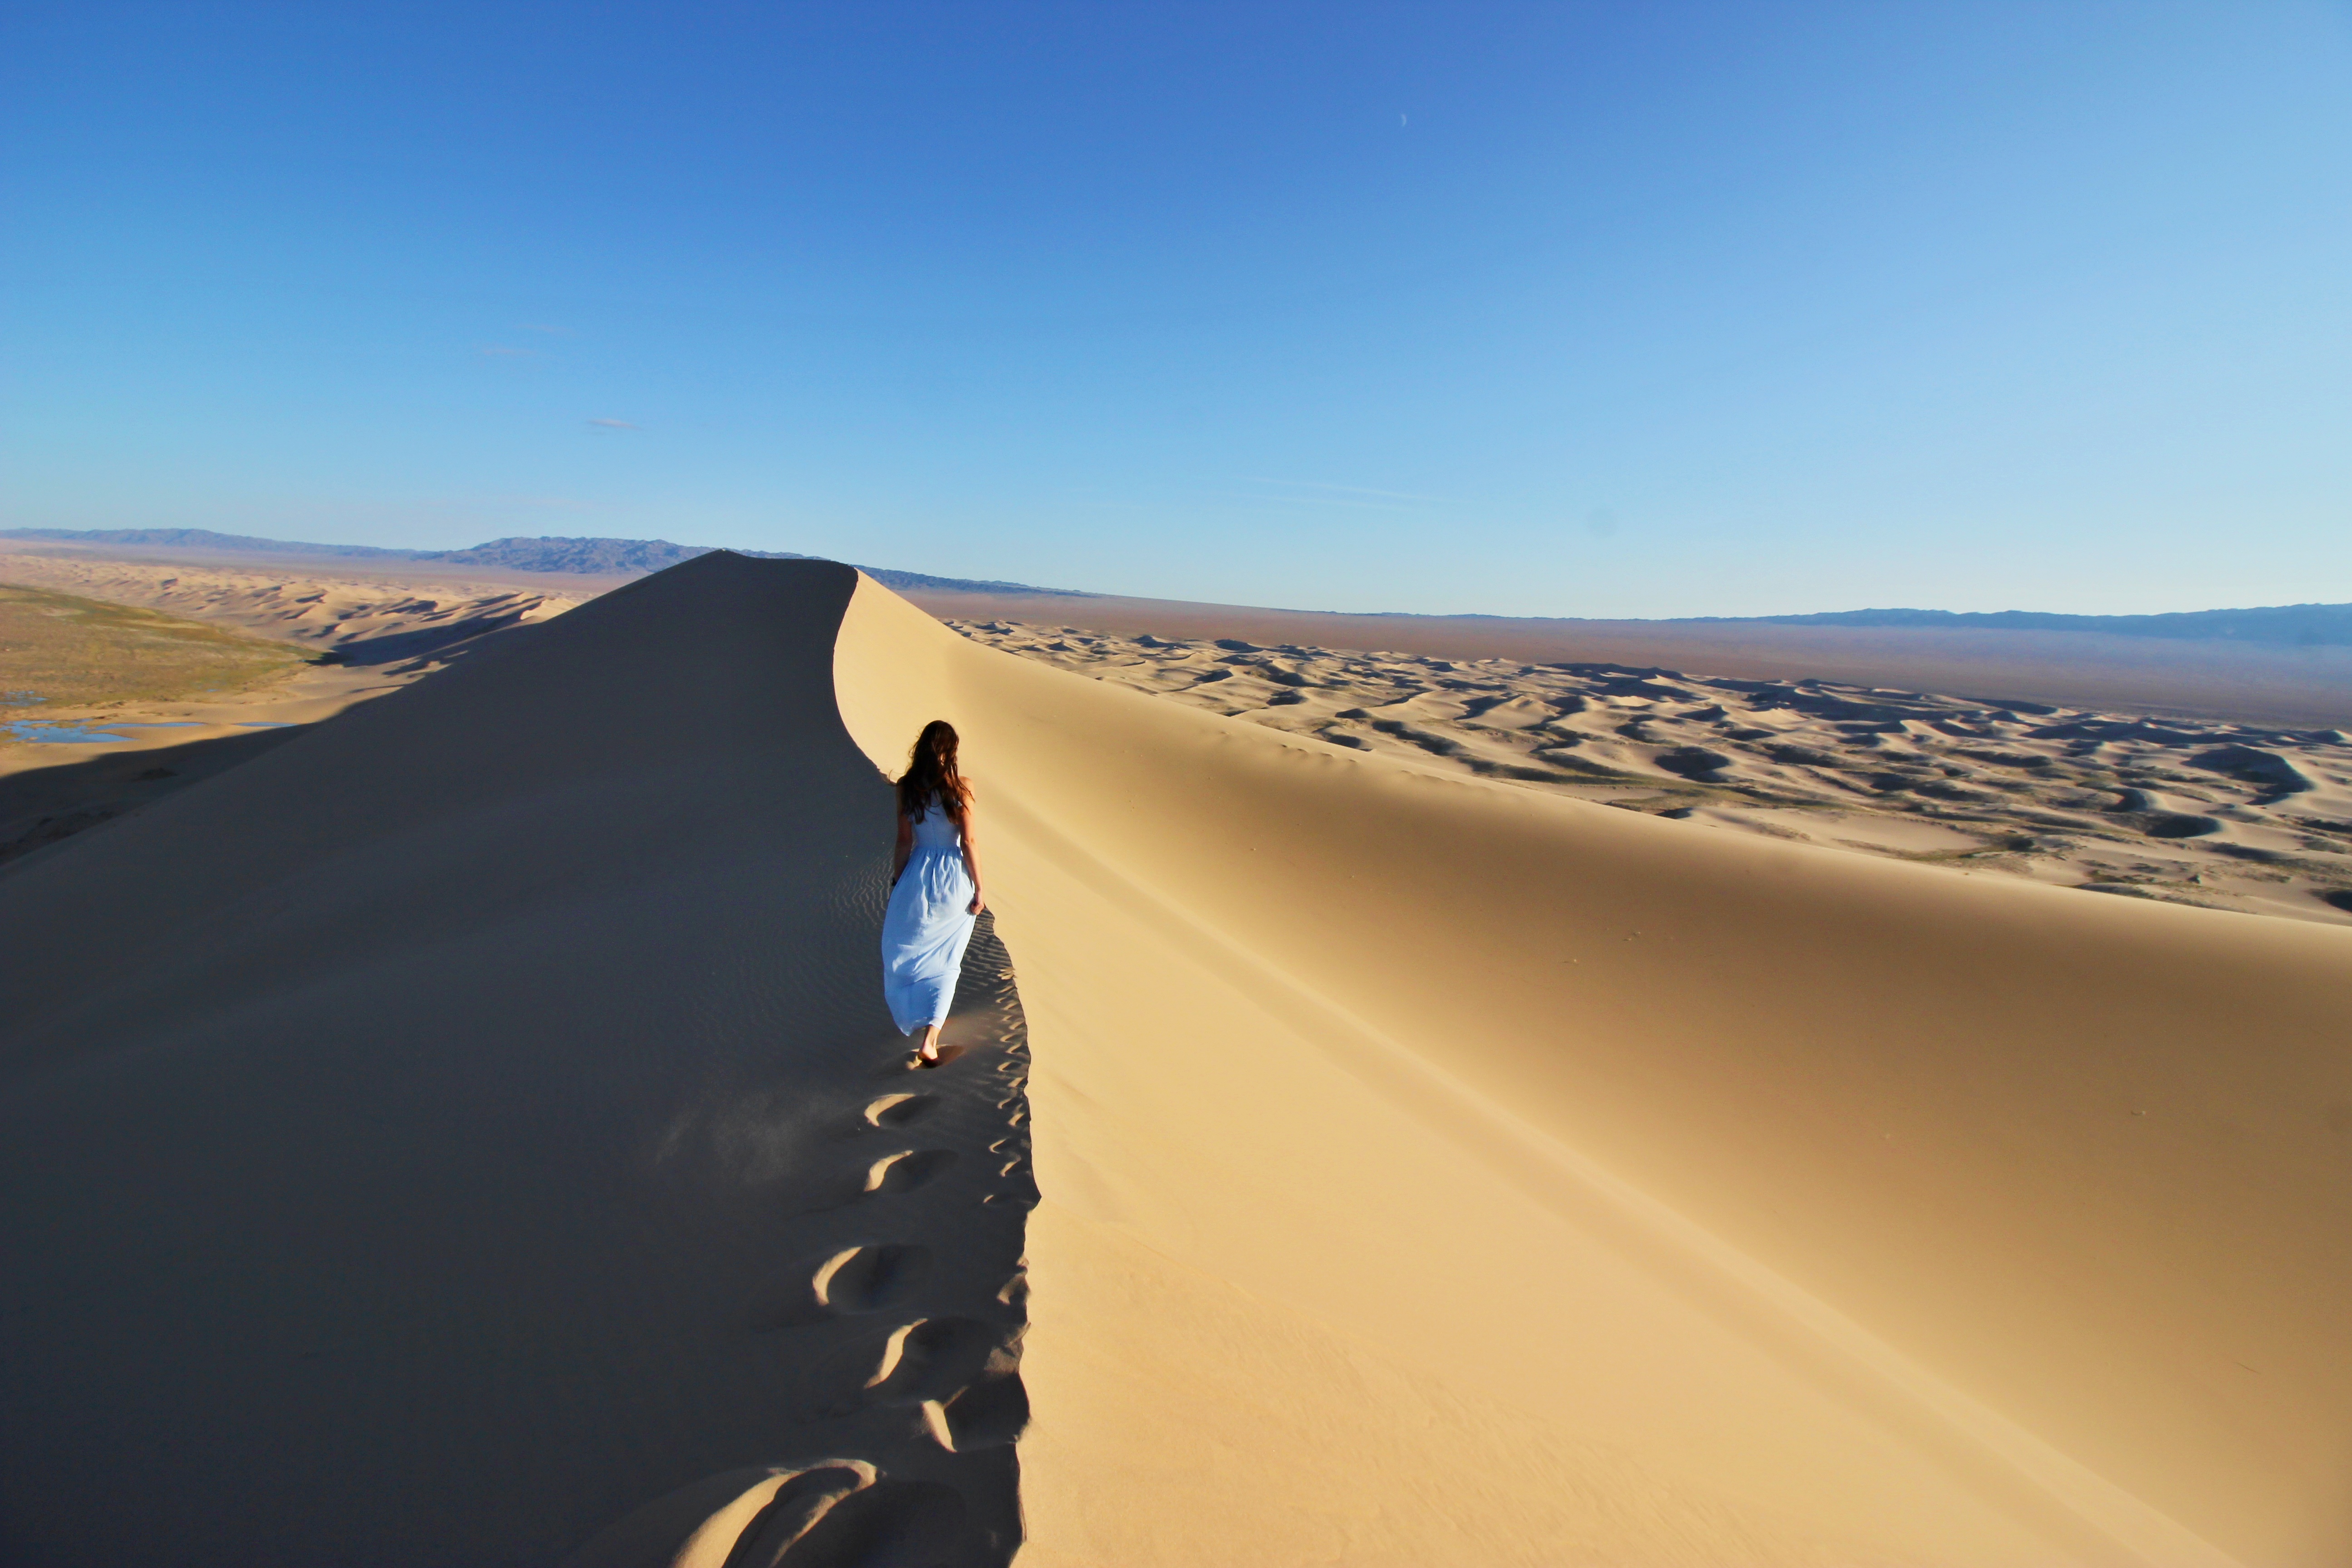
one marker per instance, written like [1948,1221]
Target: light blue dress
[928,925]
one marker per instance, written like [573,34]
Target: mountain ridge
[2310,625]
[2288,626]
[584,556]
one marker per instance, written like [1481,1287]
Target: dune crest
[471,1133]
[1435,1171]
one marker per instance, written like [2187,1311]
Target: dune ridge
[2216,814]
[376,636]
[471,1133]
[2020,1213]
[467,1132]
[2215,678]
[366,615]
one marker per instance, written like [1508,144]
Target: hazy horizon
[1606,311]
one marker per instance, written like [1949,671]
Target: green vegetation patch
[60,652]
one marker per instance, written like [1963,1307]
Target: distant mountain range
[2307,626]
[2294,625]
[588,557]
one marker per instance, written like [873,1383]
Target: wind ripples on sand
[2250,818]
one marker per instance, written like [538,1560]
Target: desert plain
[1452,1105]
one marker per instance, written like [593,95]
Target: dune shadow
[45,806]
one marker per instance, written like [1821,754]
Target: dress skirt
[924,934]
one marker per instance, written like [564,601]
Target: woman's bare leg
[929,1049]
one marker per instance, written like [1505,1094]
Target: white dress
[928,925]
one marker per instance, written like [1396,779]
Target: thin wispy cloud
[612,423]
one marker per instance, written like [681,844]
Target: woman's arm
[906,847]
[971,863]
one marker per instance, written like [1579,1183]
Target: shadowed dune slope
[1437,1172]
[450,1134]
[476,1122]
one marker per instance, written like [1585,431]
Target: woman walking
[934,891]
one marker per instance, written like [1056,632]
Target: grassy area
[58,652]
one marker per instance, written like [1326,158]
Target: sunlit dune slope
[477,1120]
[1436,1172]
[452,1138]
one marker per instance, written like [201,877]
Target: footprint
[906,1170]
[850,1282]
[899,1110]
[798,1507]
[715,1514]
[869,1278]
[932,1358]
[890,1524]
[900,1173]
[990,1413]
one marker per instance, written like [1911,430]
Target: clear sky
[1592,309]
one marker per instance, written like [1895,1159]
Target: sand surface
[2225,815]
[463,1135]
[1463,1173]
[448,1136]
[2256,683]
[377,617]
[66,766]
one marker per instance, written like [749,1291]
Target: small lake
[89,733]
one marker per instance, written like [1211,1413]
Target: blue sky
[1594,309]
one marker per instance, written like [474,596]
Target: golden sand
[466,1133]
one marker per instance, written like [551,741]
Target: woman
[934,891]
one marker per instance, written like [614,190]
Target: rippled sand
[2257,818]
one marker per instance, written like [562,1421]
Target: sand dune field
[372,617]
[2217,814]
[71,758]
[2211,678]
[470,1133]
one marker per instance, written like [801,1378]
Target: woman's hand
[979,901]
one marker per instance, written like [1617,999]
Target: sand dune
[379,636]
[368,618]
[464,1135]
[1456,1173]
[447,1136]
[2213,678]
[2218,815]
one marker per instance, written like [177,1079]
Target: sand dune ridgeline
[470,1133]
[1394,1129]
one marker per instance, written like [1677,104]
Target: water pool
[87,732]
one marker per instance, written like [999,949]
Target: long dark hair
[932,776]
